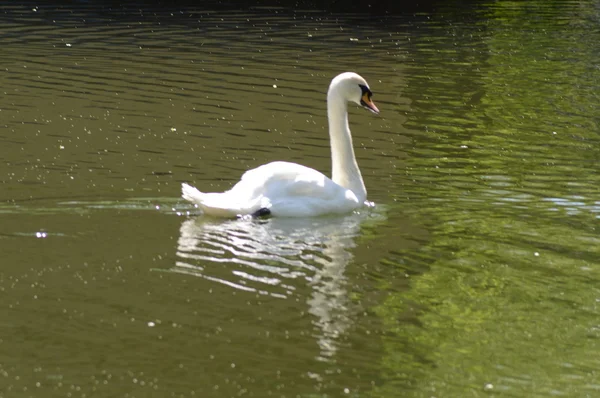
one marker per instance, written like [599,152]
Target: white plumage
[285,189]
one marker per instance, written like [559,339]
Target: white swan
[286,189]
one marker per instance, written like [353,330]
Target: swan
[284,189]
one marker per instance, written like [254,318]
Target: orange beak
[367,103]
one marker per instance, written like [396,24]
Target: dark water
[477,273]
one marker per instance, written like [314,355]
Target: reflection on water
[273,256]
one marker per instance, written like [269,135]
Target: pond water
[476,274]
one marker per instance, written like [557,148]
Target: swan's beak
[367,103]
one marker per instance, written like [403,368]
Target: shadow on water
[114,7]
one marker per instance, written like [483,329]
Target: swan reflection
[276,256]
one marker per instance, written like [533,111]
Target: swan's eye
[365,90]
[365,99]
[366,93]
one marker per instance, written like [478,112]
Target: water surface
[476,273]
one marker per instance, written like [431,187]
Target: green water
[475,275]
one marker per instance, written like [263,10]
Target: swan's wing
[286,180]
[293,190]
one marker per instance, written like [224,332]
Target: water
[476,273]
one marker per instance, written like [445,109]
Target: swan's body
[286,189]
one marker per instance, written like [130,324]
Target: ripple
[279,257]
[45,206]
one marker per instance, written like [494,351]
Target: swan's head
[353,88]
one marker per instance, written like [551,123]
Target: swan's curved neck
[344,169]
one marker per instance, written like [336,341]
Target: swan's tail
[191,194]
[214,204]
